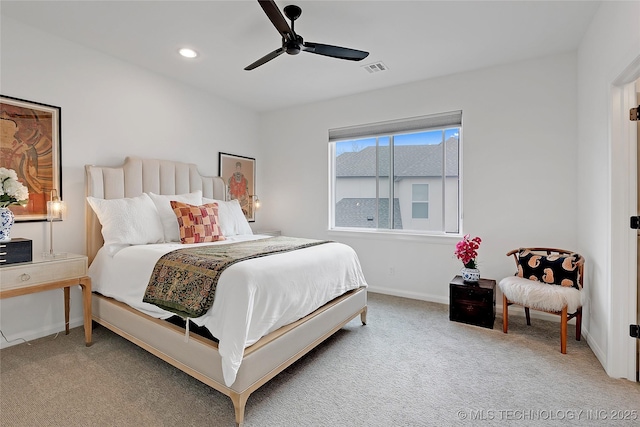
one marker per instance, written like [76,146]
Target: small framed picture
[30,145]
[239,173]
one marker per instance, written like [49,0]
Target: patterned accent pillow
[198,224]
[553,269]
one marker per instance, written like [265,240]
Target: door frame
[621,351]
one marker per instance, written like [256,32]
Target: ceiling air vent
[375,67]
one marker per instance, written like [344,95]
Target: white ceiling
[416,40]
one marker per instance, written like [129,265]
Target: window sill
[396,235]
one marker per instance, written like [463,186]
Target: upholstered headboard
[139,176]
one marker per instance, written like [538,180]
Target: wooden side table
[474,304]
[43,274]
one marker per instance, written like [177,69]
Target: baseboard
[33,334]
[597,351]
[514,310]
[410,295]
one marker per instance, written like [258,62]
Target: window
[420,198]
[401,175]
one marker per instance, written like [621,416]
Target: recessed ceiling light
[188,53]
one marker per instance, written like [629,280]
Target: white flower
[8,173]
[12,191]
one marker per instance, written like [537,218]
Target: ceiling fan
[292,43]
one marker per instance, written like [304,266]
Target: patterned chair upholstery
[548,280]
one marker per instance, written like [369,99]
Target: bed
[260,357]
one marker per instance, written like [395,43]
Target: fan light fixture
[188,53]
[293,43]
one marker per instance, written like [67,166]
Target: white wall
[519,169]
[110,109]
[609,47]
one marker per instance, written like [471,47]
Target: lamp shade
[55,207]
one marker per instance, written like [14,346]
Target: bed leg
[363,316]
[239,402]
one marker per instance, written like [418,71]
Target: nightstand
[43,274]
[473,303]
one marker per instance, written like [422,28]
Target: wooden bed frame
[199,356]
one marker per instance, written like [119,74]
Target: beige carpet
[410,366]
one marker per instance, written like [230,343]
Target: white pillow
[130,221]
[232,220]
[168,218]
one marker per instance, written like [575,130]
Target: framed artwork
[239,173]
[30,144]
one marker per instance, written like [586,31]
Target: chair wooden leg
[505,314]
[579,324]
[563,331]
[526,313]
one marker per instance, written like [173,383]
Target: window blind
[453,118]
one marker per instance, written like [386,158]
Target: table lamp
[55,209]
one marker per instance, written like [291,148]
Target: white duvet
[253,297]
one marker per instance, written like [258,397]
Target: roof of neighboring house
[361,213]
[409,161]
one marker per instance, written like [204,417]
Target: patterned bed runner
[184,281]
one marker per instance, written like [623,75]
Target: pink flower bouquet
[467,251]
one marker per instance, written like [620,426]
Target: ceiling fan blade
[335,51]
[268,57]
[276,18]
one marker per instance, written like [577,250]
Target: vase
[470,275]
[6,222]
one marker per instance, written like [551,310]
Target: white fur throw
[540,295]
